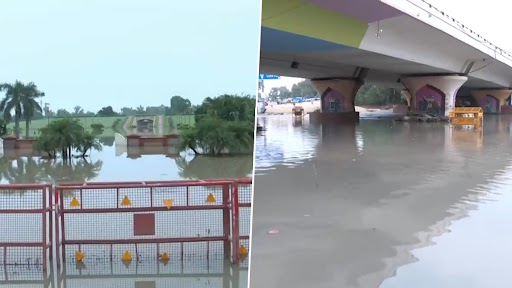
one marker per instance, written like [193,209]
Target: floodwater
[189,265]
[382,204]
[113,164]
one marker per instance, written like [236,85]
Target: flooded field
[190,265]
[113,164]
[381,204]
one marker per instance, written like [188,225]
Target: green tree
[30,108]
[47,111]
[107,111]
[78,111]
[304,89]
[86,142]
[64,135]
[62,113]
[36,170]
[127,111]
[20,97]
[279,93]
[155,110]
[224,124]
[3,127]
[228,108]
[374,95]
[179,105]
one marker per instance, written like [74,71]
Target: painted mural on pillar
[430,100]
[332,101]
[489,104]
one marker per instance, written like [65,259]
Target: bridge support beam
[433,94]
[407,97]
[337,99]
[493,100]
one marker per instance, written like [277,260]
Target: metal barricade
[147,219]
[467,116]
[26,231]
[241,219]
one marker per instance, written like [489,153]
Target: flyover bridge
[405,44]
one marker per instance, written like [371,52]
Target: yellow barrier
[472,116]
[298,111]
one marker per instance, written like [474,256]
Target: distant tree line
[367,95]
[178,105]
[23,102]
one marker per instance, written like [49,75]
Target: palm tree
[30,107]
[87,142]
[61,135]
[20,97]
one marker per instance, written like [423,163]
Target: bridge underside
[320,59]
[342,44]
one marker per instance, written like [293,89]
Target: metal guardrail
[159,220]
[26,221]
[185,219]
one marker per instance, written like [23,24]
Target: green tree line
[223,125]
[368,94]
[23,102]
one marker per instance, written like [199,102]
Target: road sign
[268,77]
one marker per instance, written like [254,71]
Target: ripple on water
[388,192]
[283,143]
[475,251]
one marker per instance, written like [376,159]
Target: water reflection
[352,203]
[107,140]
[289,144]
[107,166]
[36,170]
[217,167]
[197,273]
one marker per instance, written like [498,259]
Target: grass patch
[182,119]
[107,122]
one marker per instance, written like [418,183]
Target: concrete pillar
[492,100]
[337,95]
[434,94]
[407,97]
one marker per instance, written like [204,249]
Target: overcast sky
[95,53]
[489,18]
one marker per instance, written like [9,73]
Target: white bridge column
[434,94]
[491,100]
[407,96]
[341,90]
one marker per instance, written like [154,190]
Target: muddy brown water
[382,204]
